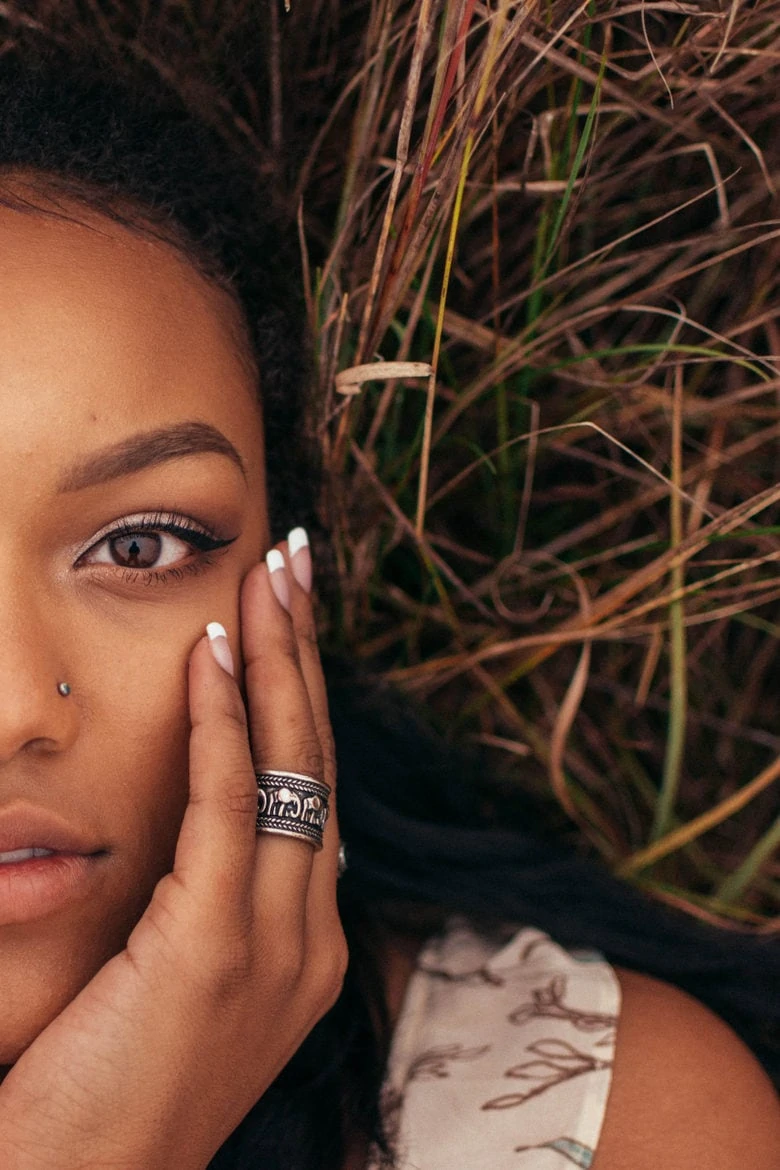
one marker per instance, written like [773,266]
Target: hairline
[136,218]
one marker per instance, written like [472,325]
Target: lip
[27,827]
[41,886]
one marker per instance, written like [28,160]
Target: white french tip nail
[220,647]
[296,540]
[274,560]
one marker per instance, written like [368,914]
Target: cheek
[136,724]
[142,742]
[134,739]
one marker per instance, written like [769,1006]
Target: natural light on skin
[108,338]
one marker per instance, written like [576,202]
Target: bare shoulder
[686,1091]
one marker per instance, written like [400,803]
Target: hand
[239,953]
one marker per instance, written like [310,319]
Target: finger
[299,560]
[282,728]
[300,578]
[216,846]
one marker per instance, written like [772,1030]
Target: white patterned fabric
[502,1055]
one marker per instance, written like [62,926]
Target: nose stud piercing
[63,688]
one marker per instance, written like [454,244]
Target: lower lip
[43,885]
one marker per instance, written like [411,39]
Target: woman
[172,968]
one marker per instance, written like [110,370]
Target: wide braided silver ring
[292,804]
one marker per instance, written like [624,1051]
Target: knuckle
[304,752]
[290,964]
[237,776]
[236,794]
[239,802]
[331,971]
[309,753]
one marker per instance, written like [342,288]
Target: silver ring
[292,804]
[342,861]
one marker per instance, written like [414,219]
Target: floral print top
[502,1056]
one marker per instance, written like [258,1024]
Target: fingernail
[278,577]
[220,647]
[300,557]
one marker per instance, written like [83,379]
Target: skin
[146,339]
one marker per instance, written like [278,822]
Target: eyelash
[198,536]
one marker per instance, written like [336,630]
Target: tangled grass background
[551,233]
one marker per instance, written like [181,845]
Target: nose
[34,715]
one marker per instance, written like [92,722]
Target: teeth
[23,855]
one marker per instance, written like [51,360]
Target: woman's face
[124,399]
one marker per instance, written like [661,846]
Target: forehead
[104,326]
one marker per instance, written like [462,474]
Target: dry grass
[565,539]
[558,531]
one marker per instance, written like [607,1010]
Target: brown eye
[136,550]
[160,542]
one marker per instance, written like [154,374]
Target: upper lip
[27,827]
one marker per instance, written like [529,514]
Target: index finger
[216,842]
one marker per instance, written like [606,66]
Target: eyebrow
[147,449]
